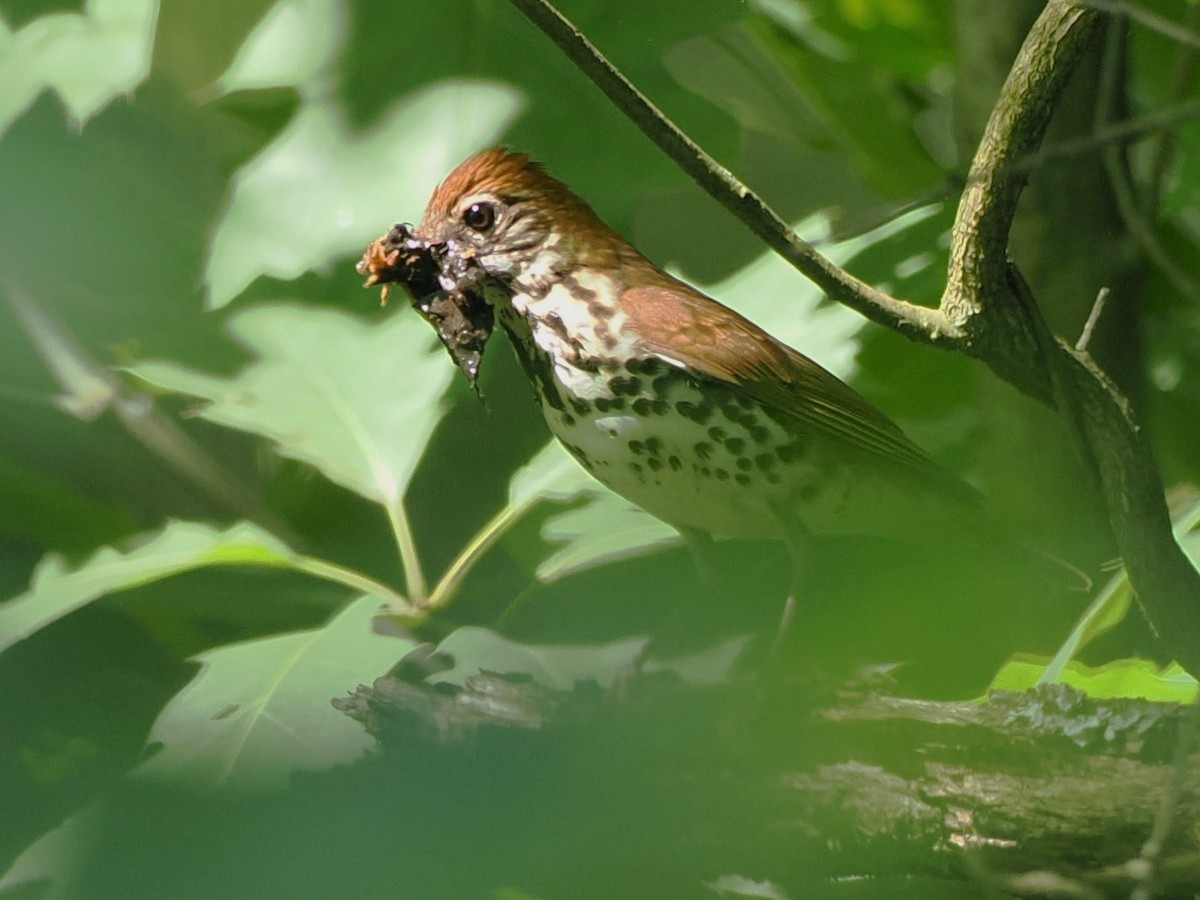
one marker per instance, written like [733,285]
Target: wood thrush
[675,402]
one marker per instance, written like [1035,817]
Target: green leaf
[259,710]
[603,529]
[1114,601]
[56,591]
[356,400]
[560,666]
[321,191]
[1120,679]
[87,58]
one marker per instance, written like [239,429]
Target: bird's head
[507,214]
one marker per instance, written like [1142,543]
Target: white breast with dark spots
[695,454]
[577,323]
[701,459]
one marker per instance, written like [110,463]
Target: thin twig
[1106,133]
[1143,16]
[1085,336]
[90,389]
[1164,147]
[1117,168]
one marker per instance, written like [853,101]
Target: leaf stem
[330,571]
[414,577]
[481,543]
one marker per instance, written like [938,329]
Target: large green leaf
[356,400]
[87,58]
[260,710]
[561,666]
[56,590]
[322,190]
[1137,679]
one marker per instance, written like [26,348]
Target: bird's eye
[479,216]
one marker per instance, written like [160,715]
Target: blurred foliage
[186,189]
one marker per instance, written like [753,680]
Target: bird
[674,401]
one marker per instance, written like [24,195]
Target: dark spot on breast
[567,419]
[674,462]
[735,445]
[642,406]
[625,385]
[654,463]
[717,433]
[636,468]
[654,446]
[589,364]
[759,434]
[773,478]
[765,461]
[809,492]
[696,412]
[703,450]
[742,478]
[745,463]
[538,369]
[642,365]
[581,406]
[637,448]
[555,323]
[580,454]
[791,452]
[660,407]
[721,474]
[579,291]
[662,384]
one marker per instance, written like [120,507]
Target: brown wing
[677,322]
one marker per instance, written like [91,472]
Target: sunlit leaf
[57,590]
[260,710]
[603,529]
[87,58]
[561,666]
[294,44]
[1120,679]
[1115,599]
[320,192]
[356,400]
